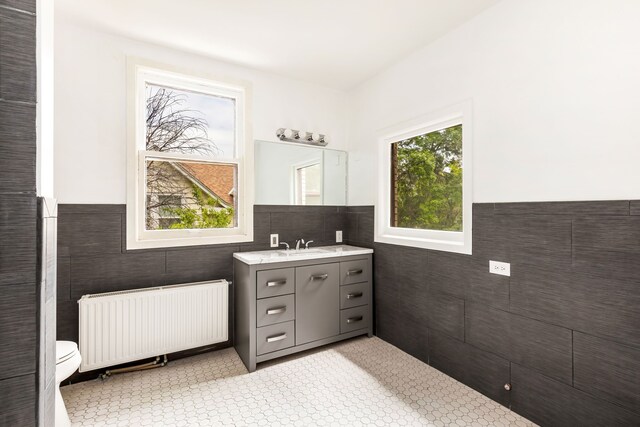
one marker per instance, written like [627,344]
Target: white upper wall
[556,100]
[553,83]
[91,113]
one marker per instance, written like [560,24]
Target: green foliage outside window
[208,214]
[427,181]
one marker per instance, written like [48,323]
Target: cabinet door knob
[275,338]
[507,386]
[354,295]
[354,319]
[277,310]
[354,272]
[319,276]
[277,283]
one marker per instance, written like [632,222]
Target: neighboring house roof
[216,179]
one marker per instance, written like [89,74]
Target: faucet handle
[286,244]
[306,246]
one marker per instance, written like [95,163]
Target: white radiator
[120,327]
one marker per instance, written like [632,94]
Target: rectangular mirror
[292,174]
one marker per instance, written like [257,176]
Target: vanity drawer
[275,310]
[274,337]
[354,271]
[354,295]
[271,283]
[352,319]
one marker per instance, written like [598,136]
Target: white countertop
[279,255]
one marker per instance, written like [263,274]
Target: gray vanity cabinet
[291,306]
[318,300]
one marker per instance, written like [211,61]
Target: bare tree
[170,128]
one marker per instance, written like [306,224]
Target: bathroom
[409,212]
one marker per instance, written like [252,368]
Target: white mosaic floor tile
[361,382]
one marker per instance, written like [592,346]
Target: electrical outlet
[274,241]
[501,268]
[339,236]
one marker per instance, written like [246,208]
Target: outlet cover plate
[501,268]
[274,239]
[338,236]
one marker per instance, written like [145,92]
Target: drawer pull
[354,319]
[354,295]
[319,276]
[276,283]
[277,310]
[354,272]
[275,338]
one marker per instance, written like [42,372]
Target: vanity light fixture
[294,135]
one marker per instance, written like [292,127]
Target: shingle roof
[218,179]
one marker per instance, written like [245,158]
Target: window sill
[433,244]
[133,244]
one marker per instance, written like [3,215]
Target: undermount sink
[280,255]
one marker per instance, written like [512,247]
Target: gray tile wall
[92,255]
[563,330]
[18,245]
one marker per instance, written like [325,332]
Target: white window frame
[450,241]
[141,72]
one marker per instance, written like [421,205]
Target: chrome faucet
[298,244]
[285,244]
[306,246]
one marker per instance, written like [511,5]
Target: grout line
[18,376]
[15,9]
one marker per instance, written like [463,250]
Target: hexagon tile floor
[360,382]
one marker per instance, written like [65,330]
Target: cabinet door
[317,302]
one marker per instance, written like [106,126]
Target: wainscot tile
[578,300]
[332,223]
[18,215]
[551,403]
[449,273]
[17,56]
[446,314]
[18,397]
[90,233]
[606,207]
[481,370]
[402,329]
[616,234]
[107,273]
[486,288]
[63,279]
[525,341]
[194,265]
[18,313]
[293,226]
[17,147]
[67,321]
[607,370]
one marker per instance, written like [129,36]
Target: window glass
[426,181]
[190,195]
[187,122]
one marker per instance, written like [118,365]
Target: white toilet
[67,361]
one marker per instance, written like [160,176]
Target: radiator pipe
[149,365]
